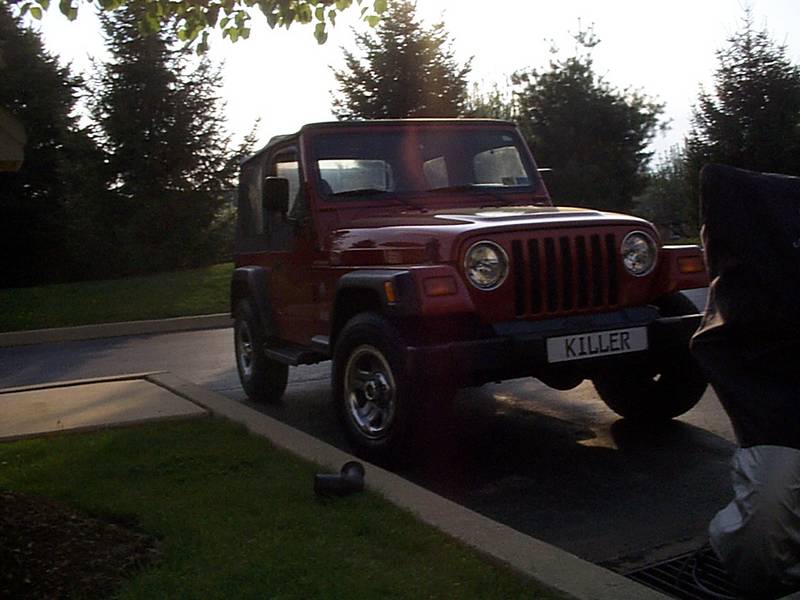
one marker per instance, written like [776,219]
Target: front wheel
[371,389]
[656,392]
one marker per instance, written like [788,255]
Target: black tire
[661,392]
[263,379]
[372,392]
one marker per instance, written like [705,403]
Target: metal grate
[561,274]
[694,576]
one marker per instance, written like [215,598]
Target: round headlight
[639,253]
[486,265]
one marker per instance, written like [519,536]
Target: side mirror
[275,196]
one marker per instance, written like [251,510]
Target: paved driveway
[557,465]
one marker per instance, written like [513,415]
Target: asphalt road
[557,465]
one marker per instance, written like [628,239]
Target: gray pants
[757,535]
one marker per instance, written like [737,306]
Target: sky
[665,49]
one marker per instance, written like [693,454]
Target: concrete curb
[74,382]
[552,567]
[105,330]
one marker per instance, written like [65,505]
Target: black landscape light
[349,481]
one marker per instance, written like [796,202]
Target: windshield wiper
[358,192]
[489,190]
[465,187]
[378,192]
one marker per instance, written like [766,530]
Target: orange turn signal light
[439,286]
[691,264]
[388,289]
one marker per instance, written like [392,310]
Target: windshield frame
[478,194]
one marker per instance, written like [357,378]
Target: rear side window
[250,219]
[287,167]
[281,230]
[271,231]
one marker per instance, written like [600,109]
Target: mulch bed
[49,550]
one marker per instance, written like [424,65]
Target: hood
[414,237]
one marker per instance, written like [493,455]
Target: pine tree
[593,136]
[160,123]
[752,120]
[33,200]
[405,70]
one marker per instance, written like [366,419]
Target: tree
[193,20]
[34,215]
[494,103]
[168,159]
[406,70]
[593,136]
[666,201]
[752,120]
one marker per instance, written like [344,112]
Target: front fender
[682,268]
[421,291]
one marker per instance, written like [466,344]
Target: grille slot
[597,272]
[611,261]
[583,272]
[566,272]
[535,273]
[519,276]
[560,274]
[551,277]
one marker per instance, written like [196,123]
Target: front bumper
[519,348]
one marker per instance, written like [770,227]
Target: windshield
[412,160]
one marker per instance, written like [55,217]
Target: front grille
[560,274]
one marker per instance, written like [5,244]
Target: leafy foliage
[666,201]
[752,119]
[35,200]
[406,70]
[146,188]
[494,103]
[193,20]
[593,136]
[168,159]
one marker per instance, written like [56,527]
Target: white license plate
[598,343]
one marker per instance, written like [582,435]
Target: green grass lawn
[174,294]
[238,519]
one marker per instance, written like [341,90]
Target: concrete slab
[74,407]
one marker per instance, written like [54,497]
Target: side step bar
[293,355]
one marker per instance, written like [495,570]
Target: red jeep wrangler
[425,255]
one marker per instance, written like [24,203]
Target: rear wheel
[657,392]
[263,379]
